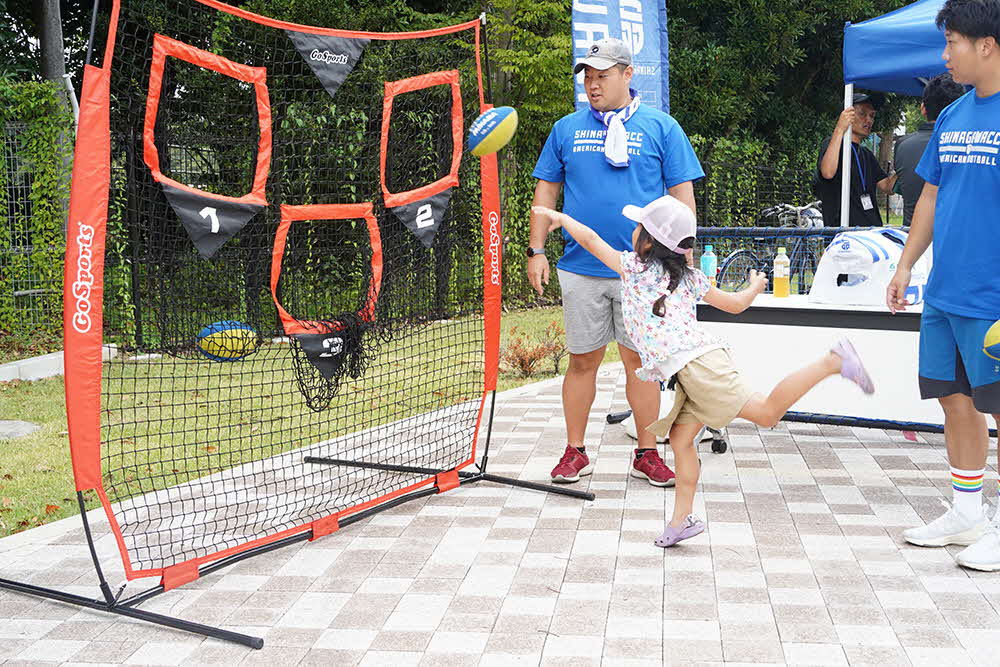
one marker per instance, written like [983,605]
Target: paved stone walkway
[802,564]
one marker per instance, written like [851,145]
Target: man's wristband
[535,251]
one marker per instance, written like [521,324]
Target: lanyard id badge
[866,199]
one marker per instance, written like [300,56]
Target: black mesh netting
[199,454]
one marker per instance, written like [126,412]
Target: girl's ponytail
[674,264]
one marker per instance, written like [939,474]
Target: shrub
[521,354]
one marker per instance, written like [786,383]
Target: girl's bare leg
[686,467]
[768,411]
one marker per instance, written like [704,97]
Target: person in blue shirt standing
[617,151]
[959,208]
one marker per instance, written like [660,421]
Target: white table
[778,335]
[768,309]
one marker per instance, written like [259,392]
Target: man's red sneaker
[651,467]
[573,465]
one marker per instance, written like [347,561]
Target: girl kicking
[659,297]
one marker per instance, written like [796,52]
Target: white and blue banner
[642,24]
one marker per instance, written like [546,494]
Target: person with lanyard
[867,175]
[614,152]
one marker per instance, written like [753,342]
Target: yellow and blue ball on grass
[492,130]
[227,340]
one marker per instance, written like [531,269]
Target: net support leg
[112,605]
[534,486]
[151,617]
[366,465]
[467,477]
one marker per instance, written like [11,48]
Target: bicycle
[734,271]
[804,217]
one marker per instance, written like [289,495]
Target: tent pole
[845,161]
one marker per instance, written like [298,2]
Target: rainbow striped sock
[967,491]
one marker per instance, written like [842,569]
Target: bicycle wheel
[734,273]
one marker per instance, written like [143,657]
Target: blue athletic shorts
[952,360]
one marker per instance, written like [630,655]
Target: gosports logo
[84,282]
[494,247]
[328,57]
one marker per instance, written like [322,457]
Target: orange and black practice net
[279,249]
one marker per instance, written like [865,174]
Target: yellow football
[492,130]
[227,340]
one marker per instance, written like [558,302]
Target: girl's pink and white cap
[667,219]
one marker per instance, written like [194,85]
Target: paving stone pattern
[802,564]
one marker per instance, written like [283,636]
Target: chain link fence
[735,195]
[730,195]
[26,270]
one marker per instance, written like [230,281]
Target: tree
[531,53]
[764,70]
[30,40]
[50,40]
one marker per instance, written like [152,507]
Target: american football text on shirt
[969,147]
[593,140]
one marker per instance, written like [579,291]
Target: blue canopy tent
[891,53]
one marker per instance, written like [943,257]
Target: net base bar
[465,477]
[126,607]
[864,422]
[535,486]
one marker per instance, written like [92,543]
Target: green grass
[36,478]
[36,481]
[533,322]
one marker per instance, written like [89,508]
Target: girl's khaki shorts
[709,390]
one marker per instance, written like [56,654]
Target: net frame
[89,211]
[413,84]
[83,327]
[314,212]
[163,47]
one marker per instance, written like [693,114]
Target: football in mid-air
[492,130]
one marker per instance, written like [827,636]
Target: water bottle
[709,264]
[782,274]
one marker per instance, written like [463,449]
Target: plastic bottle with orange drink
[782,274]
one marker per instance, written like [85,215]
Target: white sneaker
[952,527]
[985,553]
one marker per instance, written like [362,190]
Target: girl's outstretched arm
[737,302]
[583,235]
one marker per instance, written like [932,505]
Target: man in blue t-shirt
[959,207]
[613,153]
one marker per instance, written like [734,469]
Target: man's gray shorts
[592,312]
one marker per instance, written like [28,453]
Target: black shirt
[828,190]
[909,150]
